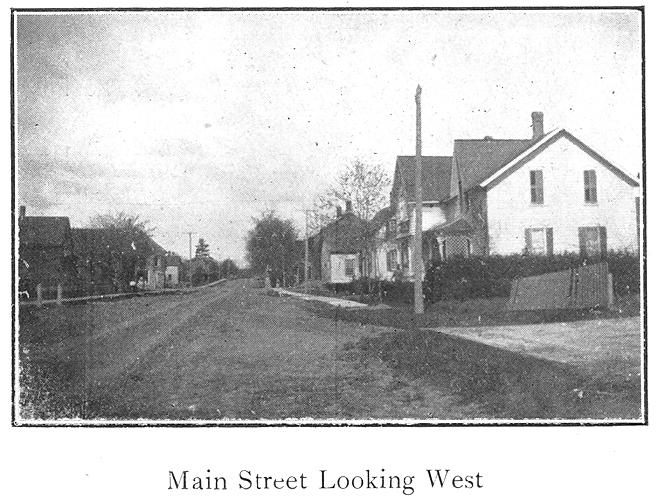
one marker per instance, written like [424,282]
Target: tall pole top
[418,91]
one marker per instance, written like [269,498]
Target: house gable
[563,207]
[517,162]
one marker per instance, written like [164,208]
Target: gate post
[39,295]
[611,292]
[59,294]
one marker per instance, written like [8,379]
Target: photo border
[311,422]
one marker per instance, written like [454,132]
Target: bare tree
[366,186]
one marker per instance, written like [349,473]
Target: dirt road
[225,352]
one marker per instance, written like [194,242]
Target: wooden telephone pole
[418,235]
[190,233]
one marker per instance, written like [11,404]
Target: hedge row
[462,278]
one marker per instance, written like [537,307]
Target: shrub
[462,278]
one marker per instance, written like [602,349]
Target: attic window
[537,187]
[590,186]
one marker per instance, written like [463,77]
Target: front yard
[473,312]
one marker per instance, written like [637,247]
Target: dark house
[108,260]
[45,252]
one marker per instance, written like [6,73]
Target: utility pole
[306,251]
[190,233]
[418,235]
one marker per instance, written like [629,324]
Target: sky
[201,121]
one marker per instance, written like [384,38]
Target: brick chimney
[537,125]
[348,207]
[21,212]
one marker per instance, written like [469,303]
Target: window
[392,260]
[593,241]
[539,241]
[537,187]
[404,255]
[349,267]
[590,186]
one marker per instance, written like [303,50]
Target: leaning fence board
[580,288]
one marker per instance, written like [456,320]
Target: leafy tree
[202,249]
[228,268]
[271,246]
[126,244]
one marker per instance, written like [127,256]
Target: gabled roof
[346,234]
[477,159]
[44,231]
[380,219]
[524,156]
[435,172]
[457,226]
[95,240]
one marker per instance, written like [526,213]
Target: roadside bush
[477,277]
[398,291]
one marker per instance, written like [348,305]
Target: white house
[548,194]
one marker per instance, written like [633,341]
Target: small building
[341,245]
[156,270]
[172,270]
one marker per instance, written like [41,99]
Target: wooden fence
[580,288]
[60,299]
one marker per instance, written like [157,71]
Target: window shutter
[581,239]
[549,241]
[603,238]
[527,241]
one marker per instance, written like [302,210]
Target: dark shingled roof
[380,219]
[436,176]
[477,159]
[91,240]
[346,234]
[44,231]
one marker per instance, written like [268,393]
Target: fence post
[59,294]
[39,295]
[611,292]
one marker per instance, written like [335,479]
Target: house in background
[172,269]
[156,270]
[339,246]
[45,252]
[547,194]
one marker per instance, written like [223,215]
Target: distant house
[45,252]
[172,270]
[340,246]
[547,194]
